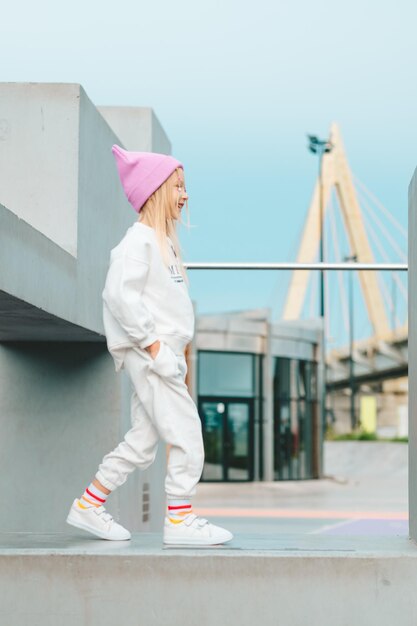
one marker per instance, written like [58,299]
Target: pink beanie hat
[141,173]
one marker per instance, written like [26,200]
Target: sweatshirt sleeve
[122,293]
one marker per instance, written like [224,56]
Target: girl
[148,320]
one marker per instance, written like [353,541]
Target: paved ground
[278,543]
[365,492]
[359,508]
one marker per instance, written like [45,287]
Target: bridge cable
[384,230]
[402,288]
[378,274]
[392,219]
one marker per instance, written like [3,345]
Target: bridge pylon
[337,174]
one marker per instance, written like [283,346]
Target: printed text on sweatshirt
[143,300]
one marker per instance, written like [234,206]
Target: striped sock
[178,509]
[92,496]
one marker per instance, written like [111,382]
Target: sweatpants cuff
[183,496]
[106,483]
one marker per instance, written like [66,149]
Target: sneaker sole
[194,542]
[89,529]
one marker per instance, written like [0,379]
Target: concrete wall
[412,359]
[39,157]
[64,286]
[391,416]
[137,127]
[65,280]
[294,588]
[62,406]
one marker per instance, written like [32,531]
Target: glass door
[228,439]
[238,441]
[211,414]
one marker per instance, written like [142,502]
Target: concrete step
[67,579]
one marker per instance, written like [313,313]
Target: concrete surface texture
[290,562]
[39,157]
[412,351]
[137,126]
[209,589]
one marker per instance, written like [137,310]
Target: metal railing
[401,267]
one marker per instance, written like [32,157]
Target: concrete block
[62,209]
[412,360]
[137,127]
[285,580]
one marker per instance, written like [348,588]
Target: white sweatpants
[161,408]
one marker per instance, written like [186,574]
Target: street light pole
[320,147]
[353,421]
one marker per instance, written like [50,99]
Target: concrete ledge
[282,580]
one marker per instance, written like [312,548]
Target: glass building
[255,386]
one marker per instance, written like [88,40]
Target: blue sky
[237,85]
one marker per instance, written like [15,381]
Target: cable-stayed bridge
[366,320]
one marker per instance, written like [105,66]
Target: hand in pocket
[165,362]
[154,353]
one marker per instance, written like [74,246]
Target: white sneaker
[97,521]
[194,531]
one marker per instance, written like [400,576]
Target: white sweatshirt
[143,300]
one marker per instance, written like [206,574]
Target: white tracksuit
[144,301]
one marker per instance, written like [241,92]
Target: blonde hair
[157,211]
